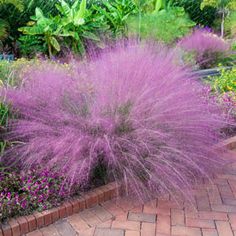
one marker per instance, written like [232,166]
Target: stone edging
[25,224]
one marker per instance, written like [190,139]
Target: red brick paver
[211,213]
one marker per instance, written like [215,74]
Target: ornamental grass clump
[207,47]
[130,111]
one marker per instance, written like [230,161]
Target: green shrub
[30,45]
[115,13]
[74,26]
[205,17]
[166,25]
[226,82]
[16,19]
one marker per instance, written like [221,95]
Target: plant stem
[222,23]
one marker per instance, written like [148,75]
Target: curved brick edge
[229,143]
[24,224]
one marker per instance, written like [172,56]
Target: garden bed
[25,224]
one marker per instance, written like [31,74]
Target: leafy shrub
[22,193]
[224,86]
[224,89]
[226,82]
[31,45]
[207,47]
[16,19]
[75,26]
[131,109]
[205,17]
[115,13]
[166,26]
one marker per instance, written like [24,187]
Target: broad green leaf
[90,35]
[19,4]
[159,4]
[30,23]
[38,13]
[76,4]
[59,8]
[65,7]
[55,43]
[4,29]
[80,14]
[79,21]
[81,48]
[35,30]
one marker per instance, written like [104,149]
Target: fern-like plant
[4,25]
[19,4]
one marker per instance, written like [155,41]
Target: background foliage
[166,25]
[205,17]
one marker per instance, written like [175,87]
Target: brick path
[213,213]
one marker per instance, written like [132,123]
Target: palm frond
[4,29]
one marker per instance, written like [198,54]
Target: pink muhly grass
[131,109]
[206,45]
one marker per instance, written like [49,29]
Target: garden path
[214,214]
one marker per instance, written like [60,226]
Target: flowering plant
[207,47]
[224,87]
[131,110]
[21,193]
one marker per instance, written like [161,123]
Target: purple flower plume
[132,109]
[202,40]
[206,45]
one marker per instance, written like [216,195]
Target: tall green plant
[16,19]
[46,27]
[76,24]
[4,29]
[116,13]
[204,17]
[16,3]
[72,26]
[4,25]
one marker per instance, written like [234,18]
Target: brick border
[24,224]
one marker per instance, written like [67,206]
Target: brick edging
[25,224]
